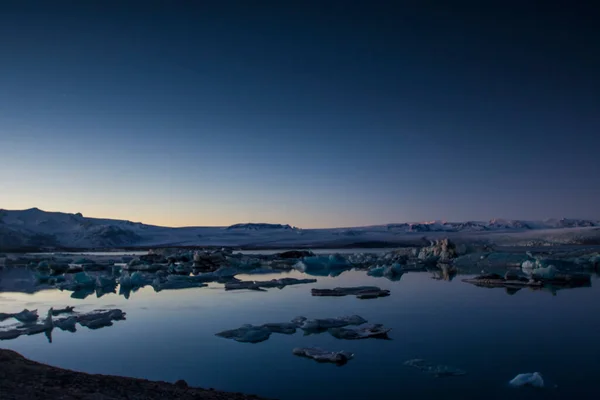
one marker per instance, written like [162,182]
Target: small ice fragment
[529,379]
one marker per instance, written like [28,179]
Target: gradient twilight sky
[340,114]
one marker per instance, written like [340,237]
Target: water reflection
[170,335]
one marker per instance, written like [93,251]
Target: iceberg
[247,334]
[361,292]
[316,325]
[260,285]
[392,272]
[530,379]
[333,262]
[100,318]
[258,333]
[372,331]
[320,355]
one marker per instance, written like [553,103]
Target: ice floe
[361,292]
[377,331]
[320,355]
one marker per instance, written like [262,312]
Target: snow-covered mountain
[34,229]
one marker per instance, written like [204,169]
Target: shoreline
[21,378]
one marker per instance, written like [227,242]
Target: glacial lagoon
[492,334]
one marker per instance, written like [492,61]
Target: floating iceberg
[530,379]
[259,333]
[361,292]
[371,331]
[322,263]
[135,280]
[247,334]
[259,285]
[320,355]
[100,318]
[316,325]
[392,272]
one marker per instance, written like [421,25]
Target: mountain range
[37,229]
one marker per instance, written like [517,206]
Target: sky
[316,114]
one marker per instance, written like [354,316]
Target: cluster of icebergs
[337,327]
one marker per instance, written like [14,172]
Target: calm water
[493,336]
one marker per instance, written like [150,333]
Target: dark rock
[181,384]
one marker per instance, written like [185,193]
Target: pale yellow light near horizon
[177,215]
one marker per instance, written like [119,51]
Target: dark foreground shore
[21,378]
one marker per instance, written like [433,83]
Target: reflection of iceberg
[392,272]
[23,316]
[331,265]
[92,320]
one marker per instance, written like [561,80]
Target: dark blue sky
[330,114]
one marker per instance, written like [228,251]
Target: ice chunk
[259,333]
[361,292]
[175,284]
[392,272]
[258,285]
[137,279]
[376,271]
[371,331]
[327,323]
[320,355]
[530,379]
[333,261]
[247,334]
[286,328]
[548,272]
[434,369]
[100,318]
